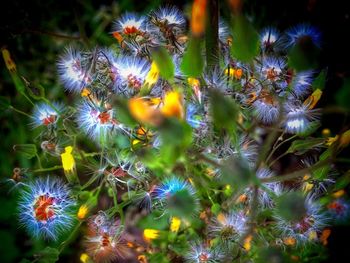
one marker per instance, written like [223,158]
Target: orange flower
[143,111]
[289,241]
[324,236]
[198,17]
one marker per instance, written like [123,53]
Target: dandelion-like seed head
[104,241]
[171,186]
[272,68]
[228,226]
[96,122]
[302,33]
[130,25]
[302,230]
[132,72]
[301,83]
[168,17]
[298,117]
[268,37]
[45,114]
[199,253]
[265,107]
[45,208]
[71,71]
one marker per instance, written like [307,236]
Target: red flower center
[130,30]
[104,117]
[43,208]
[49,119]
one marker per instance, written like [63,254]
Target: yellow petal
[175,224]
[150,234]
[68,161]
[10,64]
[84,258]
[247,242]
[173,105]
[82,212]
[153,75]
[312,100]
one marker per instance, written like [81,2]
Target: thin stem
[19,111]
[296,174]
[56,167]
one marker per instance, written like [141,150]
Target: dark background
[29,30]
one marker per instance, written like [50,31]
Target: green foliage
[245,44]
[291,206]
[164,62]
[192,62]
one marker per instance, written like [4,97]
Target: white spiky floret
[45,208]
[71,72]
[45,114]
[313,222]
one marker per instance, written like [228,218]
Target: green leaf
[164,62]
[320,81]
[271,254]
[311,129]
[123,113]
[343,94]
[5,103]
[215,208]
[342,182]
[291,206]
[323,171]
[192,62]
[48,255]
[235,172]
[303,56]
[224,110]
[181,204]
[27,150]
[301,146]
[176,136]
[37,92]
[245,44]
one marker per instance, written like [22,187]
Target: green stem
[19,111]
[296,174]
[57,167]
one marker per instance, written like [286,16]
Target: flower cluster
[196,160]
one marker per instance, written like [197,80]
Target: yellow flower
[230,72]
[144,111]
[153,75]
[173,105]
[85,92]
[150,234]
[84,258]
[345,139]
[247,242]
[331,140]
[175,224]
[312,235]
[312,100]
[82,212]
[68,161]
[193,81]
[10,64]
[326,132]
